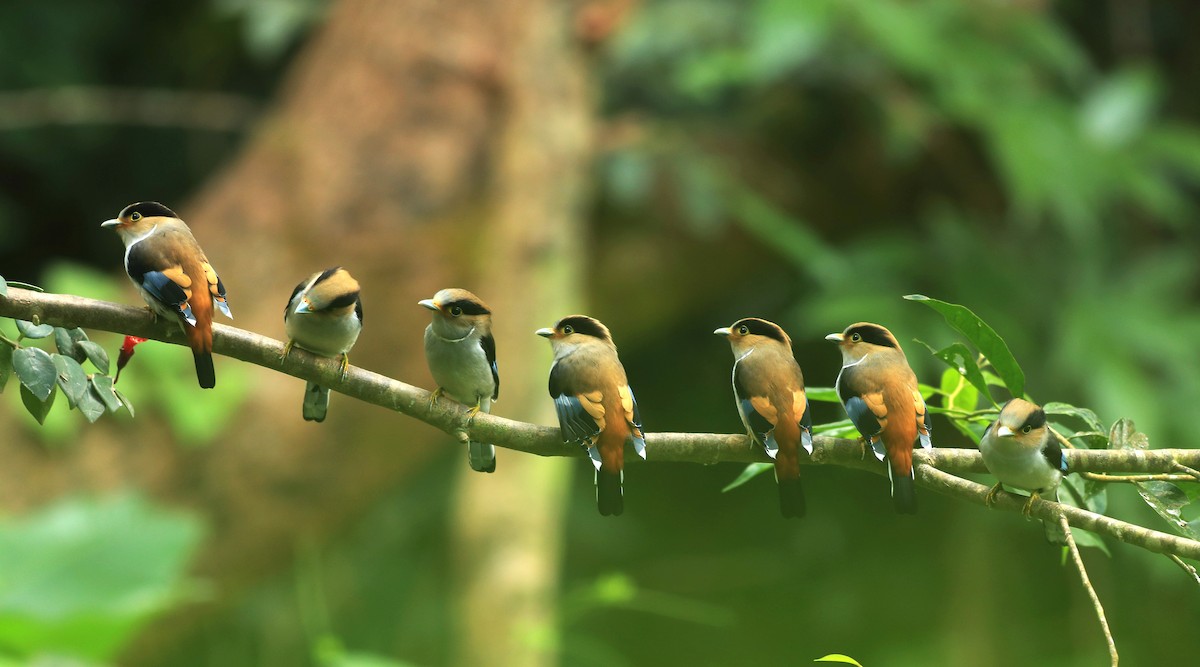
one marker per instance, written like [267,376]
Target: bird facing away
[461,354]
[595,405]
[1019,449]
[324,315]
[173,275]
[769,388]
[880,393]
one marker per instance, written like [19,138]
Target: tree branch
[933,467]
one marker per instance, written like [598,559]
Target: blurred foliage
[81,576]
[1039,161]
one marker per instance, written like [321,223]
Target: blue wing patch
[168,293]
[576,424]
[806,429]
[639,442]
[760,428]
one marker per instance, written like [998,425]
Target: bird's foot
[287,349]
[1027,510]
[345,365]
[471,412]
[433,397]
[990,498]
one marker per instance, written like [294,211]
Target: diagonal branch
[933,466]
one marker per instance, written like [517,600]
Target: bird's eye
[855,338]
[743,330]
[455,311]
[135,216]
[568,330]
[1027,429]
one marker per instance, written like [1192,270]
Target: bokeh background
[666,166]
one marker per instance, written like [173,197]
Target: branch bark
[933,466]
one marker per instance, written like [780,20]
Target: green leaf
[6,355]
[90,405]
[1124,436]
[1168,500]
[1083,414]
[1085,494]
[1085,538]
[36,371]
[102,384]
[37,407]
[751,471]
[838,657]
[81,576]
[32,288]
[34,331]
[838,429]
[983,337]
[71,378]
[124,401]
[3,286]
[63,342]
[95,354]
[958,357]
[960,395]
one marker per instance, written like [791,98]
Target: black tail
[608,493]
[316,403]
[904,491]
[791,498]
[204,370]
[482,457]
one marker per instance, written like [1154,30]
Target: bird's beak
[302,307]
[1004,432]
[545,332]
[430,304]
[110,223]
[835,337]
[723,331]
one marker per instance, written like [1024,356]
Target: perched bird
[595,405]
[769,388]
[1019,449]
[174,277]
[879,391]
[324,315]
[461,354]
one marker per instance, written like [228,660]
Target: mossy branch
[934,467]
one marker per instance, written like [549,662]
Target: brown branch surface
[933,466]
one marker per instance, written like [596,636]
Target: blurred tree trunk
[421,144]
[510,525]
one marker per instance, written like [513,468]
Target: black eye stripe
[147,209]
[467,307]
[874,335]
[1036,419]
[753,325]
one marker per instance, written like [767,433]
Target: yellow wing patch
[592,403]
[177,276]
[762,405]
[799,403]
[919,404]
[877,407]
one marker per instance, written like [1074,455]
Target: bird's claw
[1027,509]
[345,365]
[990,498]
[434,396]
[287,349]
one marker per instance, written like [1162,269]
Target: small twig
[1087,585]
[1190,472]
[1165,477]
[1191,571]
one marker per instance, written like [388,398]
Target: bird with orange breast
[769,388]
[879,391]
[595,405]
[173,275]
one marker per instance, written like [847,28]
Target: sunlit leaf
[751,471]
[1168,500]
[1124,436]
[822,394]
[1120,107]
[34,331]
[960,358]
[36,371]
[71,378]
[839,658]
[959,396]
[38,407]
[96,354]
[983,337]
[3,286]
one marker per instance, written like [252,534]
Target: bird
[173,275]
[595,406]
[879,391]
[769,387]
[461,354]
[324,315]
[1019,449]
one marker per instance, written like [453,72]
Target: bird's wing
[488,343]
[758,414]
[161,278]
[216,288]
[1054,454]
[634,418]
[923,430]
[580,413]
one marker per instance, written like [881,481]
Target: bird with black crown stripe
[595,405]
[173,275]
[769,388]
[324,315]
[879,391]
[1019,449]
[461,354]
